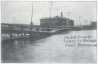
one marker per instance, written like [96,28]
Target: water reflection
[50,49]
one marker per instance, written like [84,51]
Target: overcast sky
[20,12]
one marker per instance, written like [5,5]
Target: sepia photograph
[49,32]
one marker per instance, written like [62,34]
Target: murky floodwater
[52,49]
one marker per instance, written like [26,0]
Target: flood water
[51,49]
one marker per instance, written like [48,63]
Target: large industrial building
[56,21]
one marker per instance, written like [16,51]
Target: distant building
[7,26]
[94,24]
[56,22]
[31,25]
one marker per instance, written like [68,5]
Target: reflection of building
[56,21]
